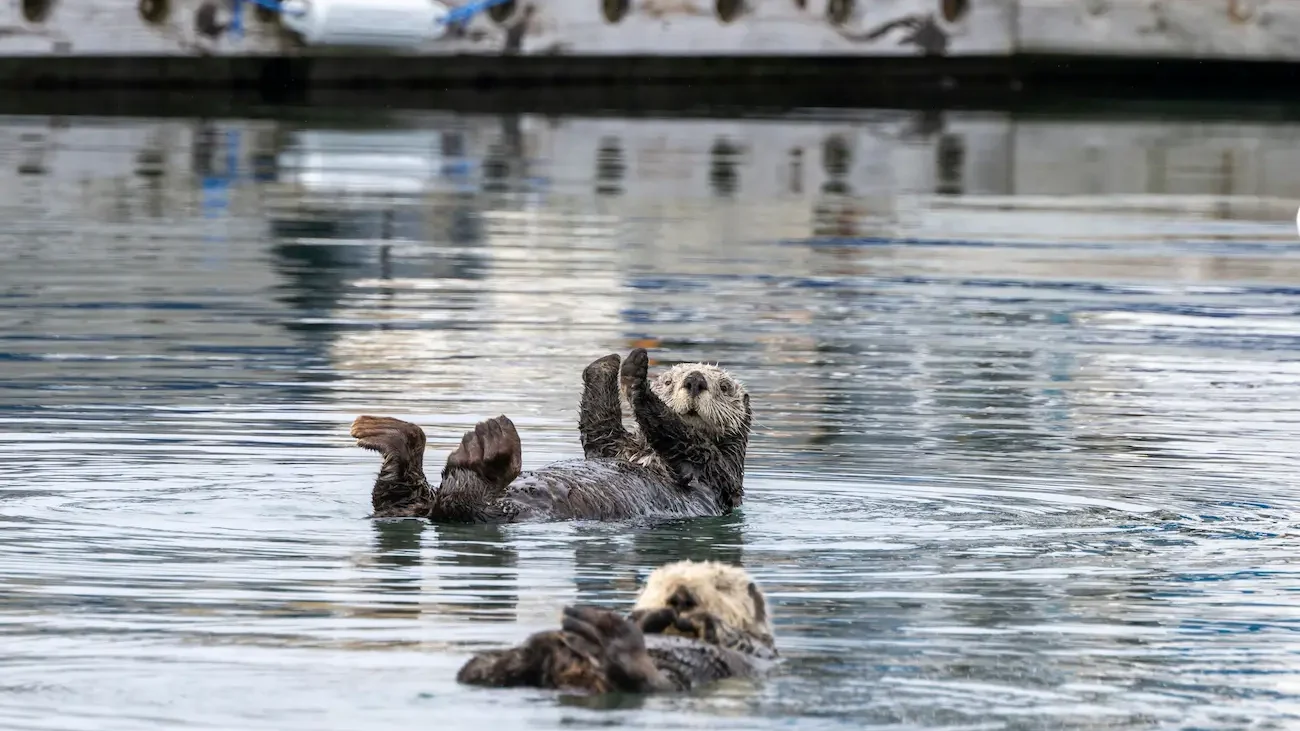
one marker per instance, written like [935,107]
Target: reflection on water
[1026,397]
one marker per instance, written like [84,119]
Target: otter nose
[695,383]
[683,600]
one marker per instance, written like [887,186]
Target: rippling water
[1027,393]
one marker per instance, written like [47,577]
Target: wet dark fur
[668,467]
[678,639]
[600,651]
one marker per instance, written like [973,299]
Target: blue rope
[455,16]
[237,15]
[272,5]
[463,13]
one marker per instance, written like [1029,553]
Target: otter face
[721,590]
[705,396]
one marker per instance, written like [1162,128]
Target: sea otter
[693,623]
[686,458]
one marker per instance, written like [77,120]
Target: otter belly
[604,489]
[690,663]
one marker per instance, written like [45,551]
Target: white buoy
[374,23]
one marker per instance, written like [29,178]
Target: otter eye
[726,386]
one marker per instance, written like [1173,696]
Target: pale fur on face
[719,409]
[723,590]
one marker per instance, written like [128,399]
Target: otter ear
[760,605]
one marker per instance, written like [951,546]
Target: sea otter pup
[686,458]
[693,623]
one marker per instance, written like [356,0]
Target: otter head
[707,398]
[725,592]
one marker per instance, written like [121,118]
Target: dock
[841,49]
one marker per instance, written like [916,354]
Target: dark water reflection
[1027,397]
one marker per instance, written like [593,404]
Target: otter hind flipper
[385,435]
[401,489]
[491,450]
[621,647]
[551,659]
[477,473]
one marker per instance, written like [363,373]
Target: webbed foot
[491,450]
[620,645]
[400,489]
[390,437]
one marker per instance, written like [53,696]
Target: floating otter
[686,457]
[693,623]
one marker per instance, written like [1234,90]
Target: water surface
[1027,399]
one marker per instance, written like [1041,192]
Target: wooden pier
[844,45]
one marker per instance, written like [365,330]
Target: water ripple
[1020,460]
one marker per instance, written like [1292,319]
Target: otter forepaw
[653,621]
[701,626]
[492,450]
[696,625]
[600,369]
[635,369]
[388,436]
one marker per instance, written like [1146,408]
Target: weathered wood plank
[669,27]
[1187,28]
[1255,29]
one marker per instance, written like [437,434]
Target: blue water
[1027,398]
